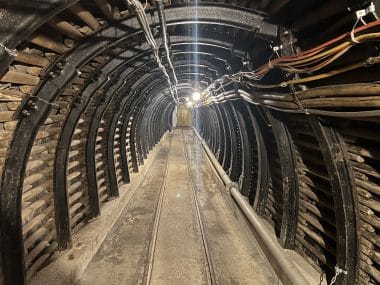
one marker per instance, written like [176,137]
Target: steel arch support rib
[11,195]
[259,199]
[286,151]
[338,167]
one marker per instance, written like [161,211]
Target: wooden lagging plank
[316,232]
[362,141]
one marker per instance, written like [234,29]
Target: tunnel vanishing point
[271,105]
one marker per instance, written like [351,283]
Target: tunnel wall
[82,102]
[307,176]
[74,125]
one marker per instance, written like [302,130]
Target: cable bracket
[360,14]
[364,12]
[338,271]
[277,48]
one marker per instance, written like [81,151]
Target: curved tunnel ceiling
[83,102]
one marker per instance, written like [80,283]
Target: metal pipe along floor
[180,227]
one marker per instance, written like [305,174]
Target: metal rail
[156,223]
[211,273]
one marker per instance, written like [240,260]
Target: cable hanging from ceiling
[164,33]
[307,62]
[136,7]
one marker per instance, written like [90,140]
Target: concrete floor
[180,228]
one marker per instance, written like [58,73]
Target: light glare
[196,96]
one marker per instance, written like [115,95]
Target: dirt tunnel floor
[180,227]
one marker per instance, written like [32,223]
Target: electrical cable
[165,40]
[286,106]
[136,7]
[308,61]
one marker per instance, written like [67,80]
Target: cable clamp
[12,52]
[360,14]
[338,271]
[299,103]
[277,48]
[230,186]
[366,11]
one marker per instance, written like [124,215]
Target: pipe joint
[231,186]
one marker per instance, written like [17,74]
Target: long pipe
[284,267]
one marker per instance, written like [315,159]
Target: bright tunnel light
[189,104]
[196,96]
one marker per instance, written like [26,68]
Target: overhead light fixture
[187,99]
[196,95]
[189,104]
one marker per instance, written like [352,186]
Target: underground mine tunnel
[189,142]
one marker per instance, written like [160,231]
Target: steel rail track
[194,189]
[156,223]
